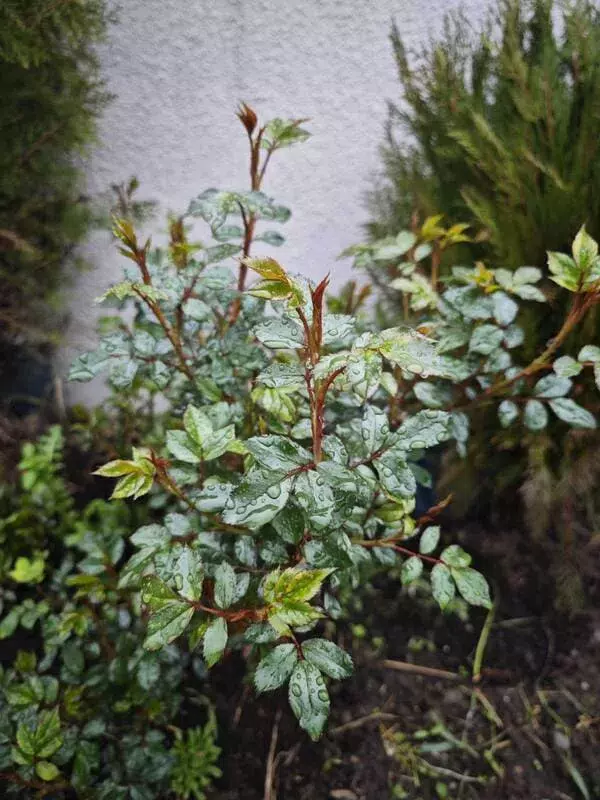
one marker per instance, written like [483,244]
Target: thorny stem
[579,309]
[392,543]
[171,335]
[317,392]
[257,174]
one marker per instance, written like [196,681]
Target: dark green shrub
[501,128]
[83,707]
[51,98]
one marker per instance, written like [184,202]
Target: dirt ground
[529,729]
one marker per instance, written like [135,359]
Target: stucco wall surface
[179,68]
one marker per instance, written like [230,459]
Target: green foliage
[51,99]
[195,754]
[91,712]
[498,128]
[283,475]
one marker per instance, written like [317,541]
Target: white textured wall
[179,68]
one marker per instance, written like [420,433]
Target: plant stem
[482,643]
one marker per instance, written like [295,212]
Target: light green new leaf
[292,614]
[585,249]
[46,770]
[309,699]
[293,584]
[197,425]
[328,658]
[181,447]
[564,271]
[275,668]
[48,738]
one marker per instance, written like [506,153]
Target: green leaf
[564,271]
[28,570]
[432,395]
[166,624]
[47,737]
[215,640]
[590,352]
[225,585]
[280,333]
[524,275]
[505,309]
[455,556]
[46,770]
[293,584]
[485,339]
[197,425]
[363,373]
[289,524]
[328,658]
[292,614]
[424,429]
[218,443]
[116,469]
[507,412]
[411,570]
[566,367]
[395,475]
[275,668]
[189,572]
[585,249]
[535,416]
[280,133]
[568,411]
[409,350]
[551,386]
[472,586]
[278,452]
[442,585]
[156,594]
[256,502]
[315,497]
[429,539]
[309,699]
[181,447]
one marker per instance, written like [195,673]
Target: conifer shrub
[52,95]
